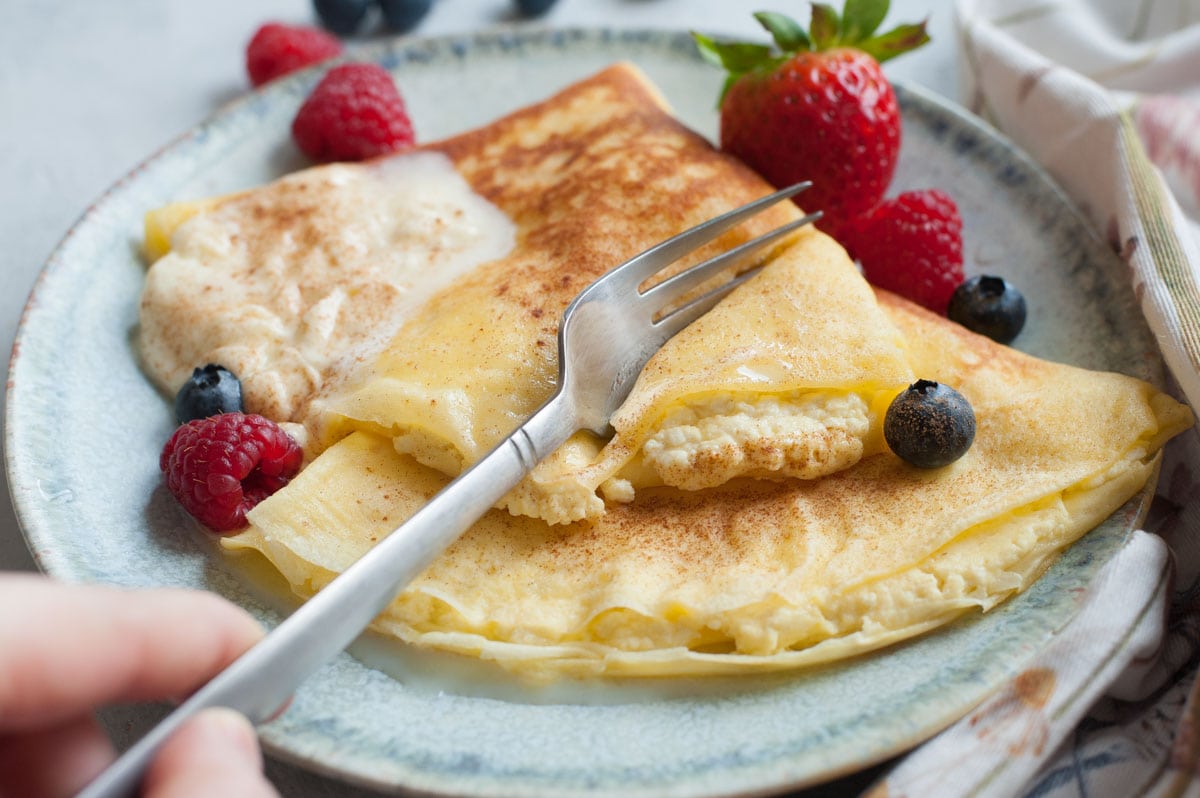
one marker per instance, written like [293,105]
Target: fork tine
[685,314]
[653,260]
[681,283]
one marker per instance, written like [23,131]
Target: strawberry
[816,105]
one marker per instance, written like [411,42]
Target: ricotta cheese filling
[707,443]
[702,443]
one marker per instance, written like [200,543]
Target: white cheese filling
[804,436]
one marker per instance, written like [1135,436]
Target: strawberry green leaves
[789,34]
[824,27]
[894,42]
[736,58]
[855,27]
[862,18]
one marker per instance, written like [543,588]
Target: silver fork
[607,335]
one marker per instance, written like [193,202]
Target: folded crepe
[754,574]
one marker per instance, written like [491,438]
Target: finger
[53,762]
[74,647]
[215,753]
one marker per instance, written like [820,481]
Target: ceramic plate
[95,510]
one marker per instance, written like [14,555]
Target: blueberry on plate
[534,8]
[210,391]
[403,15]
[929,424]
[989,306]
[343,17]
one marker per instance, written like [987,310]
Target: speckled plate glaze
[94,510]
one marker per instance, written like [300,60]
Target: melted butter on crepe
[282,282]
[591,177]
[753,575]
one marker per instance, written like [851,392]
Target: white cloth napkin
[1106,96]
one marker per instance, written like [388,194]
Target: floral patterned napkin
[1105,94]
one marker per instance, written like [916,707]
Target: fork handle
[260,682]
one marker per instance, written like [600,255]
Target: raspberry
[279,49]
[354,113]
[219,467]
[911,245]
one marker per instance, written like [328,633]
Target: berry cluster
[220,462]
[815,105]
[912,245]
[355,111]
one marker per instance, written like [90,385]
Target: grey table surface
[89,88]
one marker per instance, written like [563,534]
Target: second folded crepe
[743,570]
[754,574]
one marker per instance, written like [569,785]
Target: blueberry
[210,391]
[534,8]
[343,17]
[403,15]
[989,306]
[929,424]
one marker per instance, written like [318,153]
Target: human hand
[68,649]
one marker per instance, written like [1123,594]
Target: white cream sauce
[280,283]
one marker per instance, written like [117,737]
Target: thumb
[215,753]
